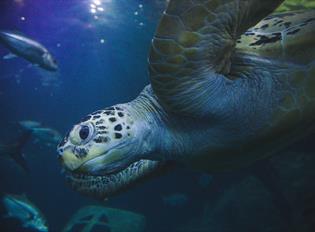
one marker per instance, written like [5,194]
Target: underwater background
[101,48]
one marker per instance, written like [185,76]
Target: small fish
[29,125]
[14,150]
[42,134]
[175,200]
[21,208]
[28,49]
[47,135]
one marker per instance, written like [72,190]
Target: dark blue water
[103,61]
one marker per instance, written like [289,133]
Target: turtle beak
[68,159]
[107,163]
[111,161]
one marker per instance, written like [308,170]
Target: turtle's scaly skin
[193,46]
[217,100]
[293,5]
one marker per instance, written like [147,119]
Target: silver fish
[43,134]
[47,135]
[21,208]
[29,125]
[28,49]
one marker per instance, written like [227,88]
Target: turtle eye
[84,132]
[81,134]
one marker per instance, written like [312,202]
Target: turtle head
[104,151]
[103,142]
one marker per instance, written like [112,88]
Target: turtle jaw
[98,161]
[109,173]
[111,161]
[106,185]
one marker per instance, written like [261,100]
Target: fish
[175,200]
[21,208]
[29,125]
[47,135]
[14,150]
[29,49]
[43,134]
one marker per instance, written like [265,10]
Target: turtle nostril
[60,152]
[60,158]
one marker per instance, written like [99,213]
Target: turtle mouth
[109,162]
[104,186]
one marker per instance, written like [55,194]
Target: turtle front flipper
[191,50]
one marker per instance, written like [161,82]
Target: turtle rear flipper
[191,50]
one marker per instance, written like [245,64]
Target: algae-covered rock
[96,219]
[246,206]
[250,205]
[296,179]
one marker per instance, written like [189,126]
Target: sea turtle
[224,93]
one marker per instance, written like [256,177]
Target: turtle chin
[101,185]
[107,173]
